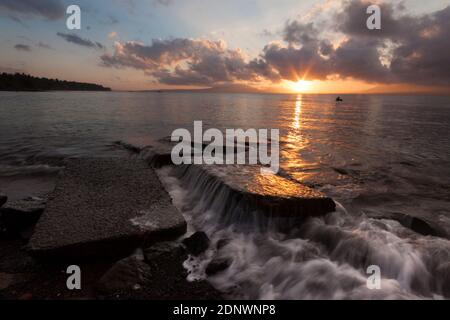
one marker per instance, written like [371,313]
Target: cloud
[43,45]
[163,2]
[49,9]
[112,35]
[183,61]
[22,47]
[408,49]
[73,38]
[419,44]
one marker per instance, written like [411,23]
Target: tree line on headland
[24,82]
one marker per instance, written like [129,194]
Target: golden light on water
[298,110]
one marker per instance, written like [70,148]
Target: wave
[323,258]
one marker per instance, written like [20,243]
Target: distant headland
[24,82]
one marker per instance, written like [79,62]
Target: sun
[301,86]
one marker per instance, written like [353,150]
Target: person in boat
[339,99]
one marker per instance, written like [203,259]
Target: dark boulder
[421,226]
[3,199]
[165,250]
[128,146]
[217,265]
[160,275]
[126,275]
[19,215]
[222,243]
[197,243]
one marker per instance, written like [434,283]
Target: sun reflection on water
[298,111]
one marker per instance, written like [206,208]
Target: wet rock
[126,275]
[414,223]
[21,214]
[164,250]
[127,146]
[197,243]
[222,243]
[3,199]
[7,279]
[341,171]
[157,156]
[105,208]
[346,171]
[217,265]
[253,198]
[160,275]
[420,226]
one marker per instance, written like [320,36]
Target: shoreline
[137,272]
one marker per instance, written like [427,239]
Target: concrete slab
[105,208]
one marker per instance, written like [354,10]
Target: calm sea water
[371,153]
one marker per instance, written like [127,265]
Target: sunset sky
[275,46]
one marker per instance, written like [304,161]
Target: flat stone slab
[269,194]
[248,191]
[105,208]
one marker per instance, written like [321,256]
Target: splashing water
[325,258]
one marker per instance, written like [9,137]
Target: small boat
[339,99]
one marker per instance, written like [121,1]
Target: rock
[420,226]
[7,279]
[222,243]
[414,223]
[217,265]
[105,208]
[252,198]
[157,156]
[160,276]
[164,250]
[197,243]
[126,275]
[19,215]
[26,296]
[3,199]
[128,146]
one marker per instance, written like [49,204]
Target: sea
[384,159]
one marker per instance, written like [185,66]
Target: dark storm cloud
[292,63]
[421,43]
[299,33]
[22,47]
[359,59]
[73,38]
[423,56]
[49,9]
[408,49]
[418,48]
[352,20]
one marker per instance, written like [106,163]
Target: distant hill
[408,89]
[233,88]
[227,88]
[24,82]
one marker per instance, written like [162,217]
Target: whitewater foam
[325,258]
